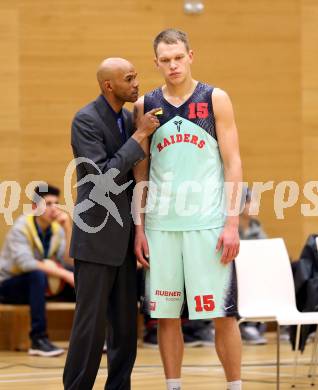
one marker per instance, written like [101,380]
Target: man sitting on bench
[35,249]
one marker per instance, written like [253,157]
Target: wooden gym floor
[201,369]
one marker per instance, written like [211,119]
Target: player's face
[174,61]
[125,84]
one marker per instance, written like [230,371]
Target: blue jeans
[28,288]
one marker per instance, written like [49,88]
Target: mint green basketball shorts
[185,266]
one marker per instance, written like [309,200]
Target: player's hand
[142,249]
[149,122]
[229,240]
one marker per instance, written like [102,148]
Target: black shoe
[43,347]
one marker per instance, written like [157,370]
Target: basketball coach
[102,239]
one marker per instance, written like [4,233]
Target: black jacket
[96,136]
[306,287]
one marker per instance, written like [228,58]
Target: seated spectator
[251,229]
[305,272]
[25,267]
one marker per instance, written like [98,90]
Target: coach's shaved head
[117,79]
[110,68]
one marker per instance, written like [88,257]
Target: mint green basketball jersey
[186,190]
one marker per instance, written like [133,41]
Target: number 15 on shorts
[204,303]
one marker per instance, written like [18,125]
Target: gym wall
[263,53]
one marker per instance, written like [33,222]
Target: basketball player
[188,234]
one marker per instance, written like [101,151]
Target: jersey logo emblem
[178,124]
[152,306]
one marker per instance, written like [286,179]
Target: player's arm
[141,174]
[229,148]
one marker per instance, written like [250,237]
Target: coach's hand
[146,125]
[141,248]
[229,240]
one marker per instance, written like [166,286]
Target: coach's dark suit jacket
[105,267]
[95,135]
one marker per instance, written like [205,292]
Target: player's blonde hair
[171,36]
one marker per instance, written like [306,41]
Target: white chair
[266,289]
[314,355]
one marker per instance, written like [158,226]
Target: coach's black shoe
[43,347]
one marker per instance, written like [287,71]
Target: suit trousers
[105,298]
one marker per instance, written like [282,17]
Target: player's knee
[223,323]
[169,323]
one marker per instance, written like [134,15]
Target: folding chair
[266,290]
[314,355]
